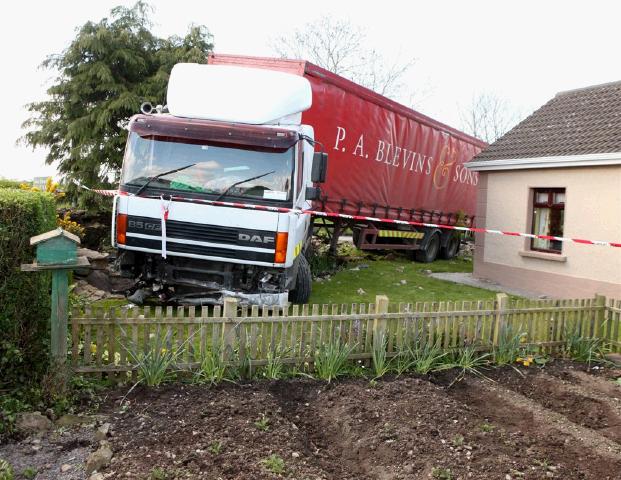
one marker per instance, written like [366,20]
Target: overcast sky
[525,51]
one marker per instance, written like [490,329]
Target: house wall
[592,211]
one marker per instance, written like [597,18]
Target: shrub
[24,296]
[71,226]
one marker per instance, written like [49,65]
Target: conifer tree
[103,77]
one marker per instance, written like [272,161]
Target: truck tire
[451,248]
[430,252]
[303,283]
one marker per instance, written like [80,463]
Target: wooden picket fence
[108,340]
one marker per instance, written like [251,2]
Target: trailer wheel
[452,247]
[430,253]
[303,282]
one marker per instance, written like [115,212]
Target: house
[556,173]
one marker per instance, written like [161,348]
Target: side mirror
[320,167]
[312,193]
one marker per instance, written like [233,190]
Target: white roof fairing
[236,94]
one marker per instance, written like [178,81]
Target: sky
[524,51]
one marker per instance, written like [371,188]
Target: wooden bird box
[56,247]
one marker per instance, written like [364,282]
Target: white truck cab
[233,134]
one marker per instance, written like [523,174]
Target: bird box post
[57,252]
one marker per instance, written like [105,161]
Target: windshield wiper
[243,181]
[163,174]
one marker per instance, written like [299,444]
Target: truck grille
[203,233]
[173,247]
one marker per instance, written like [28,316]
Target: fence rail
[106,340]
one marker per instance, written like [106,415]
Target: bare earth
[561,422]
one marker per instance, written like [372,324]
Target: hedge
[5,183]
[24,297]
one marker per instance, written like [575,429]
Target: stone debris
[99,459]
[102,432]
[69,420]
[32,422]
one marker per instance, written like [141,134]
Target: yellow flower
[526,363]
[93,348]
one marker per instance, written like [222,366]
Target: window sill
[543,256]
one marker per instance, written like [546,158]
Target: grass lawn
[384,277]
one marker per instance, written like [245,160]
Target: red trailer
[386,160]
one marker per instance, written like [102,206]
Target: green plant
[155,365]
[69,225]
[427,357]
[441,473]
[30,472]
[159,473]
[212,368]
[468,360]
[380,364]
[215,447]
[274,369]
[274,464]
[487,427]
[402,362]
[6,470]
[509,346]
[330,360]
[263,423]
[584,349]
[458,440]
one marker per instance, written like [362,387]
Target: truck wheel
[303,282]
[431,252]
[452,247]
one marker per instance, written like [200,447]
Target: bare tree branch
[488,116]
[339,46]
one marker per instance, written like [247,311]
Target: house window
[548,218]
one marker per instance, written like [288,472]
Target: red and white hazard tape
[382,220]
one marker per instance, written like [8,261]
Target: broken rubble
[32,422]
[99,459]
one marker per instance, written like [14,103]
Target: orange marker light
[280,256]
[121,228]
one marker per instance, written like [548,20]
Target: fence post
[379,324]
[502,302]
[229,311]
[600,316]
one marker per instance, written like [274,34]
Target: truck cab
[181,246]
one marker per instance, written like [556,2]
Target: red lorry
[259,131]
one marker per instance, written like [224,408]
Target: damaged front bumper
[217,298]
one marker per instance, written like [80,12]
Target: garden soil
[557,422]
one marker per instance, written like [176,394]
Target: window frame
[551,205]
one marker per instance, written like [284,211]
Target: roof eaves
[586,160]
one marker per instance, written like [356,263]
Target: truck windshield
[215,168]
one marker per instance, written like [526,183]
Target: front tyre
[303,283]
